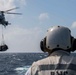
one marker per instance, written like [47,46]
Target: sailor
[59,43]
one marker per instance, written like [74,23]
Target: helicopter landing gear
[6,23]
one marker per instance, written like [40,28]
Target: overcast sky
[26,30]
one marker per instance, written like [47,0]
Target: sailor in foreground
[59,43]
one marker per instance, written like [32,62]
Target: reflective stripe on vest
[58,67]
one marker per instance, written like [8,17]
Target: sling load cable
[3,46]
[3,42]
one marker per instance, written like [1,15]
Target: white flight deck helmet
[58,37]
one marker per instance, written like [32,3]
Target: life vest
[55,65]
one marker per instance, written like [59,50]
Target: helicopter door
[3,46]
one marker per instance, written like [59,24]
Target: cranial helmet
[57,37]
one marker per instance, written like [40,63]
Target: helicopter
[3,22]
[2,16]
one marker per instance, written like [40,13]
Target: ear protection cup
[43,44]
[73,41]
[74,45]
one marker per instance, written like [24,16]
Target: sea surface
[18,63]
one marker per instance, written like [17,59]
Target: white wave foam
[22,68]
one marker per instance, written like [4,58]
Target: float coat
[58,63]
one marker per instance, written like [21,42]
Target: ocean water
[17,63]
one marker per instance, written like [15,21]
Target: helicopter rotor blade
[12,9]
[14,13]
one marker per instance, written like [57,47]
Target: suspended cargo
[3,47]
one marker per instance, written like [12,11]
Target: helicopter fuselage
[2,16]
[2,20]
